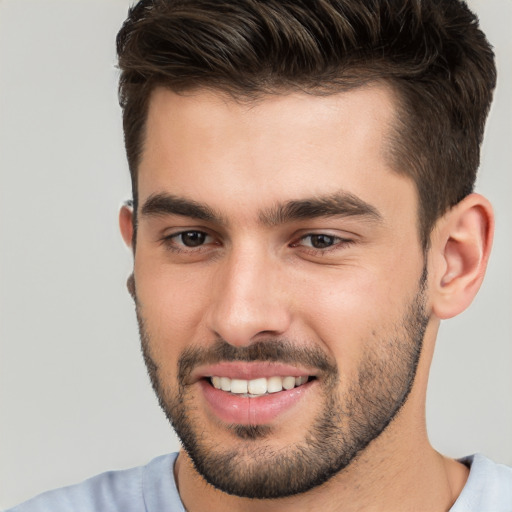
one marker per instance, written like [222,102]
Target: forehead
[214,149]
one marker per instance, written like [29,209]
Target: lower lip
[234,409]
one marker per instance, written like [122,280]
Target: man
[302,219]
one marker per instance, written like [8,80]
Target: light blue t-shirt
[152,488]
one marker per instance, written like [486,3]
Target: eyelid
[187,231]
[169,240]
[339,243]
[332,233]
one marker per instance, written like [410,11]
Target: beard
[347,424]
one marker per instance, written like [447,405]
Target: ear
[126,224]
[460,249]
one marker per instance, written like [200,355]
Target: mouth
[255,394]
[258,387]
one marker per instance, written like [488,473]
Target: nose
[248,299]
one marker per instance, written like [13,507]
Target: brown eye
[321,241]
[192,238]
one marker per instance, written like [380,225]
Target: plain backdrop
[74,395]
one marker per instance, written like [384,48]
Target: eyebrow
[340,204]
[165,204]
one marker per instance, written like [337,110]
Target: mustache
[279,350]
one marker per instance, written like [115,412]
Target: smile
[256,400]
[257,387]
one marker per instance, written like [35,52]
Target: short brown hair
[432,52]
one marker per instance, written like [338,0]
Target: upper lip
[248,371]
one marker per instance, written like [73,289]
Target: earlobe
[126,224]
[461,247]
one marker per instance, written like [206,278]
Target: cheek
[352,312]
[172,303]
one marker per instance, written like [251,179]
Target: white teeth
[289,382]
[225,384]
[274,384]
[300,380]
[257,387]
[238,386]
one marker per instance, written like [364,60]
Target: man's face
[280,282]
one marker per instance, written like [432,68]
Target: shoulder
[489,486]
[113,491]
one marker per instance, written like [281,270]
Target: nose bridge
[248,301]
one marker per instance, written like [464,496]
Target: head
[292,165]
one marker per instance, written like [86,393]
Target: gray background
[74,396]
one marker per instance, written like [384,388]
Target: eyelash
[170,241]
[337,242]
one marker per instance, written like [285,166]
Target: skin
[252,279]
